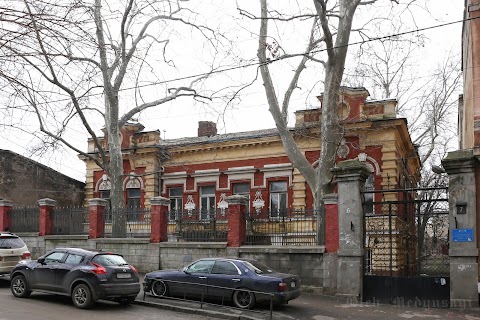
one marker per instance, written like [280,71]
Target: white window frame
[206,213]
[280,212]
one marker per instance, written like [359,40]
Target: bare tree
[75,62]
[386,66]
[432,111]
[330,33]
[428,102]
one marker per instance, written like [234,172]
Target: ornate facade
[201,170]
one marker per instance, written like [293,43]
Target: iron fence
[70,220]
[286,228]
[24,219]
[199,226]
[137,221]
[408,237]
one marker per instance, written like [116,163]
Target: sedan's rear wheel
[159,288]
[82,297]
[244,299]
[19,287]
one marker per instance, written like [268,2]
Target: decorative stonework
[133,183]
[222,204]
[47,202]
[105,185]
[343,150]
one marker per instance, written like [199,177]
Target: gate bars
[406,232]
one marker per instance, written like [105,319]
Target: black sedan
[85,275]
[242,281]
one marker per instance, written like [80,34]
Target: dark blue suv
[85,275]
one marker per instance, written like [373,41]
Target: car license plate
[123,275]
[292,284]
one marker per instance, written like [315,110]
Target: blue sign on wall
[462,235]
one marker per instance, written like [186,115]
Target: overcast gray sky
[180,117]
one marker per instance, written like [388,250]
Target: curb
[189,310]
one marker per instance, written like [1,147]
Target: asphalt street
[52,307]
[306,307]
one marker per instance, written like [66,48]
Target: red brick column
[331,219]
[159,219]
[46,218]
[96,210]
[237,229]
[5,218]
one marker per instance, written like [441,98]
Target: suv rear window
[11,243]
[109,260]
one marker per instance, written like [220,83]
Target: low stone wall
[35,244]
[138,251]
[307,262]
[316,269]
[175,255]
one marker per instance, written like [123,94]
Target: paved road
[307,307]
[51,307]
[318,307]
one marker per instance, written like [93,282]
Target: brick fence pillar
[159,219]
[237,229]
[331,219]
[5,218]
[96,210]
[46,217]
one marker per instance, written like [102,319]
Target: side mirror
[41,260]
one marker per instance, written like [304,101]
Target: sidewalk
[313,307]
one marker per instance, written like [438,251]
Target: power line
[227,69]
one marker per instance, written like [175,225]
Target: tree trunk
[330,126]
[119,223]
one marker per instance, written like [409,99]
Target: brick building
[201,170]
[469,104]
[25,181]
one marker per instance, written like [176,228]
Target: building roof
[219,138]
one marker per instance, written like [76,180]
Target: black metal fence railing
[24,219]
[70,220]
[200,291]
[286,228]
[137,221]
[199,226]
[292,227]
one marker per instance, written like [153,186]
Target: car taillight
[26,255]
[134,269]
[99,269]
[1,258]
[282,286]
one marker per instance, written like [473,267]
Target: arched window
[133,188]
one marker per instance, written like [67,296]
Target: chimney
[207,128]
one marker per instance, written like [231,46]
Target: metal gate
[406,247]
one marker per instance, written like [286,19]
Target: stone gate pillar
[350,176]
[463,251]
